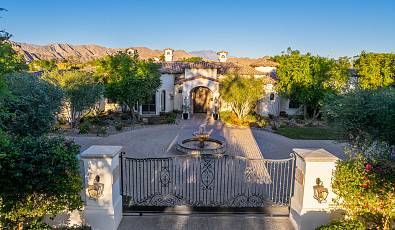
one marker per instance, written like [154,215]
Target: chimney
[131,51]
[222,56]
[168,54]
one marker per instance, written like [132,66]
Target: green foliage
[229,117]
[262,121]
[81,90]
[128,79]
[101,131]
[364,112]
[309,78]
[119,126]
[192,59]
[171,117]
[31,107]
[241,93]
[38,176]
[42,65]
[343,225]
[375,70]
[84,127]
[10,62]
[364,183]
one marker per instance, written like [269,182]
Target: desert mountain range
[84,53]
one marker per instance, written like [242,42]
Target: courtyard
[160,140]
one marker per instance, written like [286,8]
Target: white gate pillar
[103,203]
[312,200]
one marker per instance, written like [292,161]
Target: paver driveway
[160,140]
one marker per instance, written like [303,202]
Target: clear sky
[244,28]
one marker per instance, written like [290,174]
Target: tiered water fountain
[201,143]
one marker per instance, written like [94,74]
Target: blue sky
[244,28]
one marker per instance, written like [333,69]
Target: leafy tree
[38,176]
[365,185]
[375,70]
[128,79]
[81,90]
[192,59]
[309,78]
[241,93]
[31,107]
[42,65]
[9,60]
[364,112]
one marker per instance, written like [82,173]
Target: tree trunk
[305,111]
[20,226]
[316,114]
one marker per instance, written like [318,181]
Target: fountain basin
[192,146]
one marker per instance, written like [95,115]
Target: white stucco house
[197,84]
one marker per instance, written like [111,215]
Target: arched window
[271,97]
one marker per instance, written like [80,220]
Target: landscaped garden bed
[112,122]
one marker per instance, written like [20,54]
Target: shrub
[42,226]
[364,112]
[262,121]
[84,128]
[101,131]
[231,118]
[343,225]
[364,183]
[38,176]
[118,126]
[170,117]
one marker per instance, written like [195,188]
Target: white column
[312,200]
[103,203]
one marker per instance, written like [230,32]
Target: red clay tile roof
[222,68]
[265,62]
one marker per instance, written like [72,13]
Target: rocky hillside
[84,53]
[81,53]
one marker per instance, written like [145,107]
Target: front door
[201,97]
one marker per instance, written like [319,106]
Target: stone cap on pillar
[315,155]
[101,151]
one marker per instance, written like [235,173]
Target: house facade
[195,86]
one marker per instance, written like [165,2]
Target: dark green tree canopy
[31,107]
[38,176]
[128,79]
[82,92]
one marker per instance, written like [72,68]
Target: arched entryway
[201,99]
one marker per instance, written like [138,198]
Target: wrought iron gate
[205,182]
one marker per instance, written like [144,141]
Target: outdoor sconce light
[320,192]
[95,190]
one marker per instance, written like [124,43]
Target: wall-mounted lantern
[320,192]
[95,190]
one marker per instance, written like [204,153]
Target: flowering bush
[365,184]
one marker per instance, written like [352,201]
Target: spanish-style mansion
[196,84]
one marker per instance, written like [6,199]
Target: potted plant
[185,109]
[215,113]
[215,109]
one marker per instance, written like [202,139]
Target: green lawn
[308,133]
